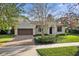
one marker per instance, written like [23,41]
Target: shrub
[3,32]
[37,35]
[74,31]
[60,38]
[40,34]
[45,39]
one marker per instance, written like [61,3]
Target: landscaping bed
[59,51]
[45,40]
[56,39]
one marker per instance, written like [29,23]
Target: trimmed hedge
[45,39]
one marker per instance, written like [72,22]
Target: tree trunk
[12,30]
[66,31]
[42,30]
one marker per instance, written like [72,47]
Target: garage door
[25,31]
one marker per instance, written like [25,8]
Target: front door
[50,30]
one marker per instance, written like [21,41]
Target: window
[59,28]
[39,29]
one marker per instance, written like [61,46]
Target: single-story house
[27,27]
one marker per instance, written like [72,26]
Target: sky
[58,8]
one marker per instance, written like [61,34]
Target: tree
[8,15]
[40,12]
[72,15]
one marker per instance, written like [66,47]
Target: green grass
[5,38]
[68,38]
[59,51]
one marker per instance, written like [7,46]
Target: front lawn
[5,38]
[59,51]
[68,38]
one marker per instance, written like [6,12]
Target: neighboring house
[27,27]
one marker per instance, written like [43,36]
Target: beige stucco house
[27,27]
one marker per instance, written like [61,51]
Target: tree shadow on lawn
[77,54]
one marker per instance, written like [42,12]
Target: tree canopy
[40,11]
[8,14]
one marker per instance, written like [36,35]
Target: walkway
[57,45]
[19,42]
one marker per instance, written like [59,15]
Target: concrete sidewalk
[57,45]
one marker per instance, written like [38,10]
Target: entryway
[50,30]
